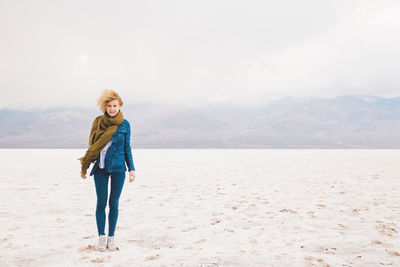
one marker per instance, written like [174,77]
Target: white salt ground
[206,207]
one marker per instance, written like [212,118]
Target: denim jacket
[119,152]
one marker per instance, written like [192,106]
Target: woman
[109,146]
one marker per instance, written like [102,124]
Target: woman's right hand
[83,176]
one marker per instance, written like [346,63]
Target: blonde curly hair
[106,96]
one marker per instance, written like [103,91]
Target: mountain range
[348,121]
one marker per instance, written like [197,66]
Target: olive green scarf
[103,129]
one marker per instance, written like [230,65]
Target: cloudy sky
[181,51]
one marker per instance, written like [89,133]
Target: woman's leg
[101,182]
[117,182]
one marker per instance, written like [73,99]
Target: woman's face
[112,108]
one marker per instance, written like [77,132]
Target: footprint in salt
[393,253]
[312,261]
[97,260]
[356,211]
[4,239]
[288,210]
[380,243]
[311,214]
[87,248]
[329,250]
[189,229]
[215,221]
[154,257]
[387,229]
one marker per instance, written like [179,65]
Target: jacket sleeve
[128,150]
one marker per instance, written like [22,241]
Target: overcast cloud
[65,52]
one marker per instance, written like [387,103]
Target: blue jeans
[101,181]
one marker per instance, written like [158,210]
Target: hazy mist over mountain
[349,121]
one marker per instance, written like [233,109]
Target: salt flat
[206,207]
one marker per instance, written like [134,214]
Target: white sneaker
[102,245]
[111,243]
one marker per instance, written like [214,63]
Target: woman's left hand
[131,176]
